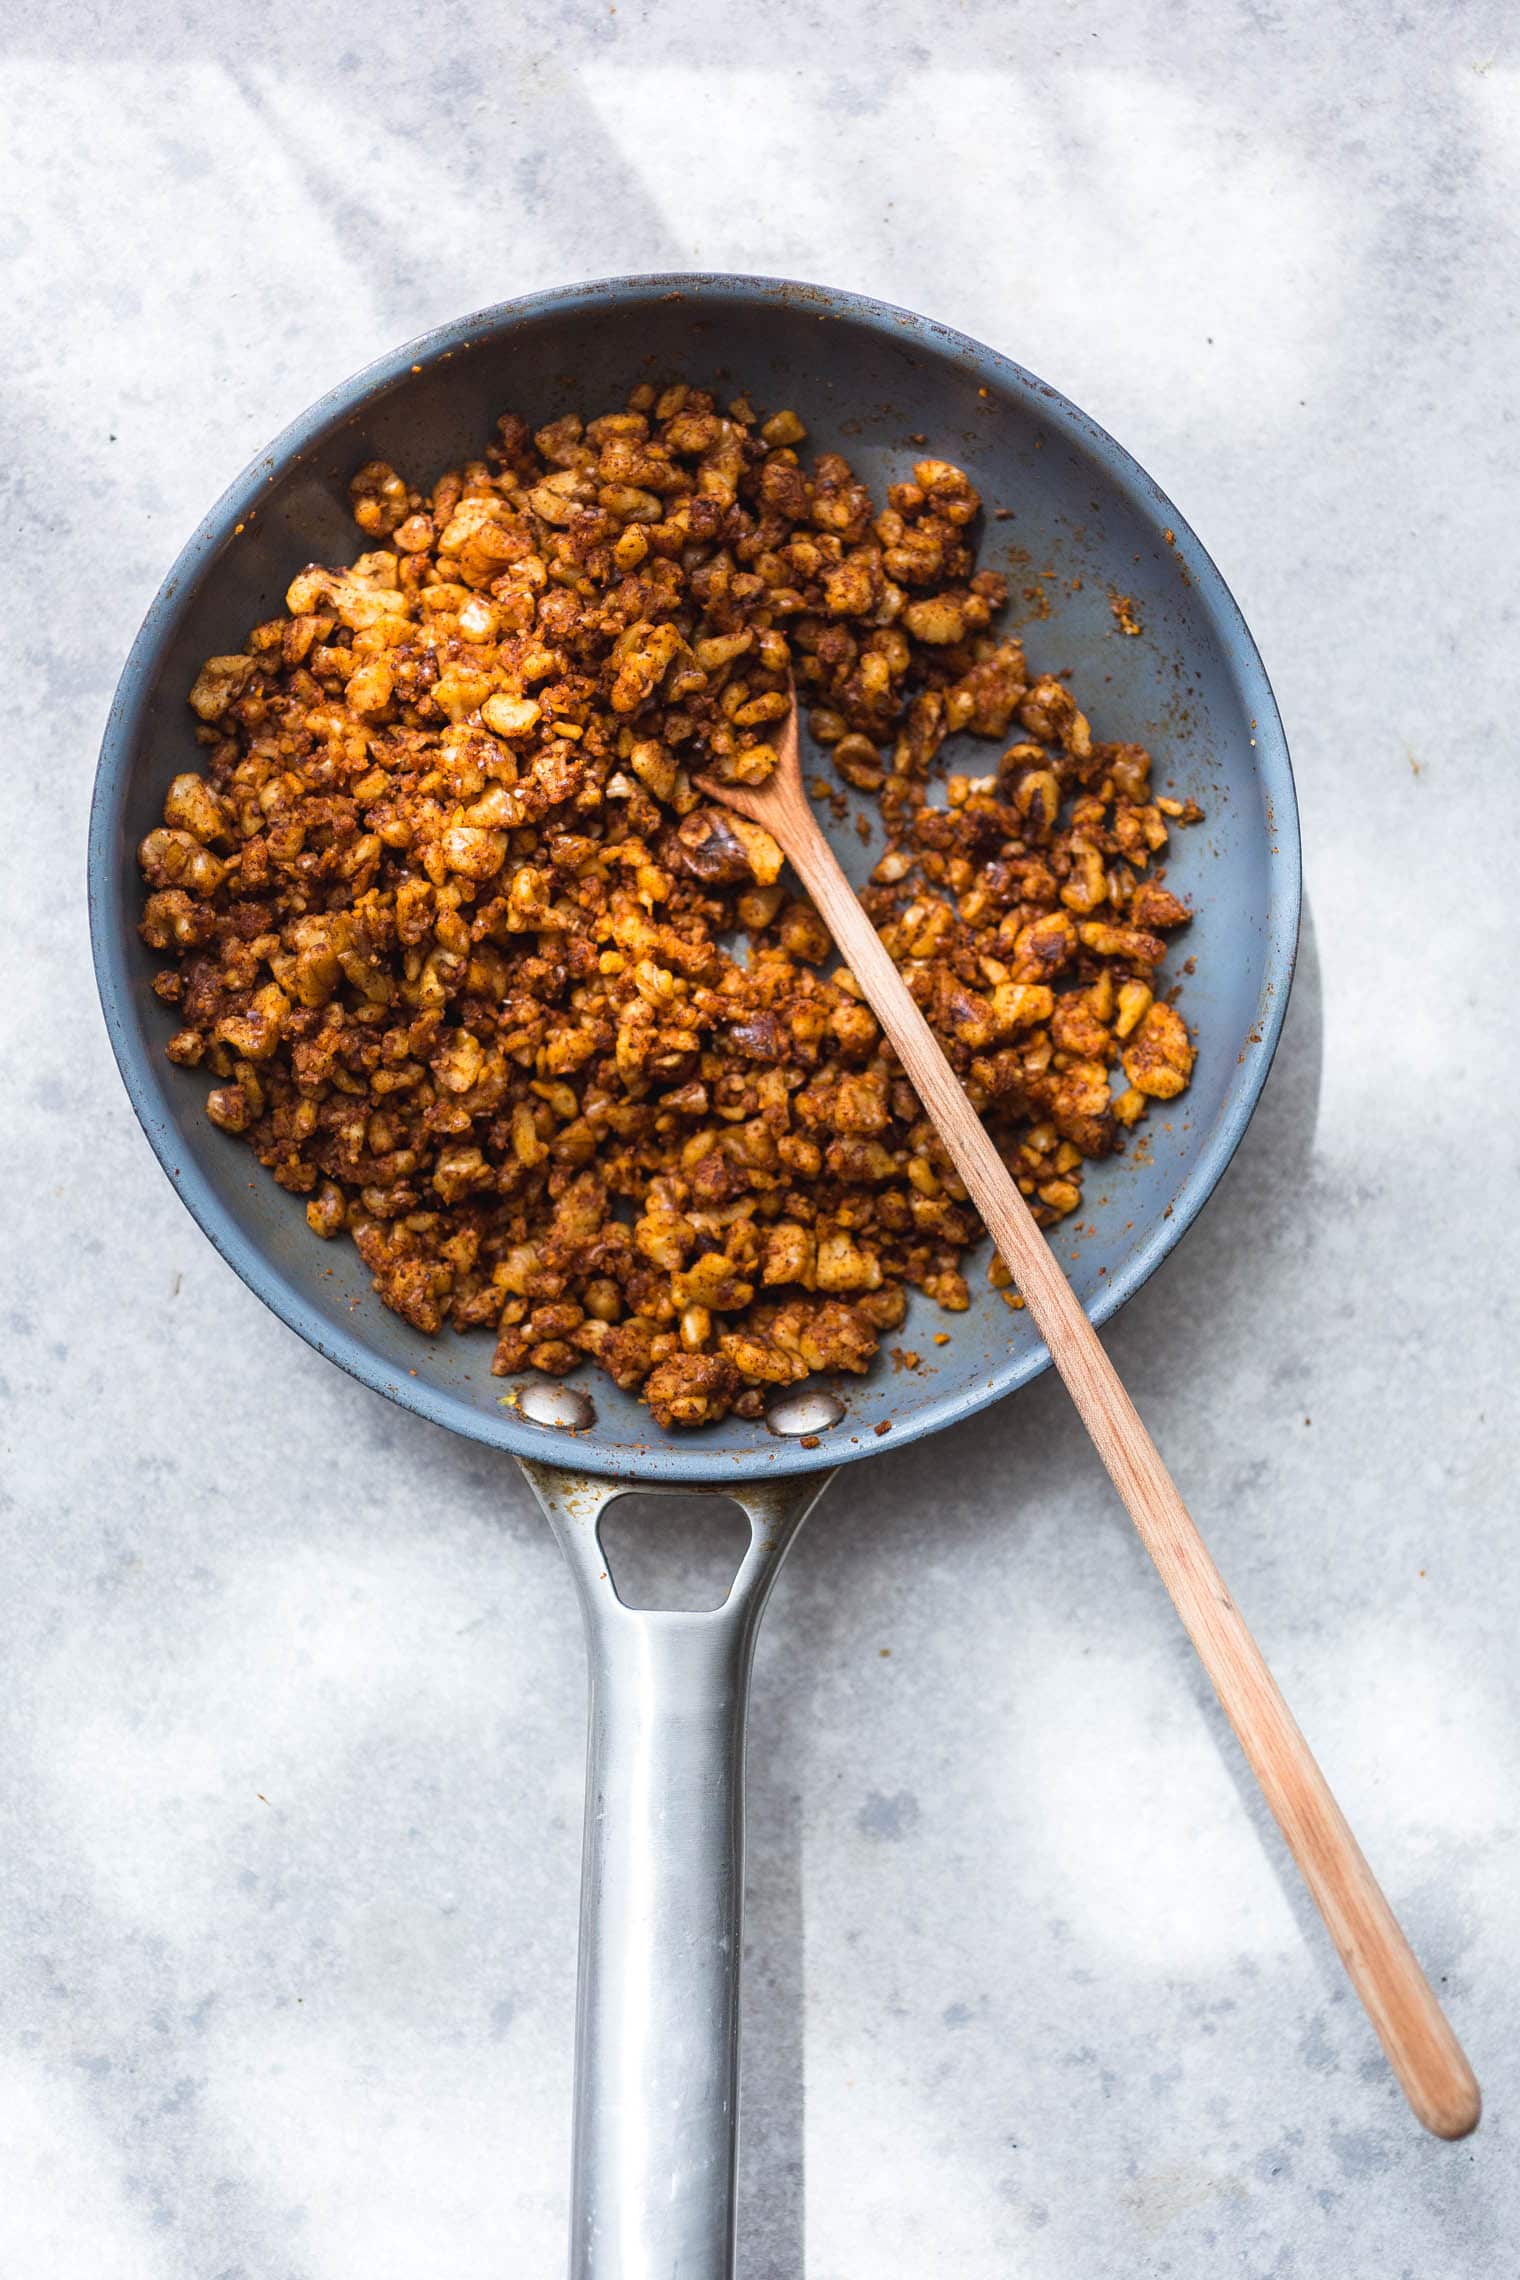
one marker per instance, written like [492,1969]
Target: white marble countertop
[290,1783]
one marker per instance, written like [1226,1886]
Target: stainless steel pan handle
[662,1895]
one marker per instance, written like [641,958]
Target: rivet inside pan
[543,1401]
[811,1409]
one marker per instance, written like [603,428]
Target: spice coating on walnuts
[449,920]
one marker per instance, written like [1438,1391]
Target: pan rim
[666,1458]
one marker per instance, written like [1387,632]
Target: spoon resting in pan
[1422,2050]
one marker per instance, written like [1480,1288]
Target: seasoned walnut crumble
[448,918]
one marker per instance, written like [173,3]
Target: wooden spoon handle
[1421,2048]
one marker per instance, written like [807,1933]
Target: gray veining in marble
[290,1779]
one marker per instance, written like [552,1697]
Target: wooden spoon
[1421,2048]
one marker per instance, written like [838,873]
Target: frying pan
[1089,544]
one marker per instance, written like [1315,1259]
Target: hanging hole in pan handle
[680,1554]
[729,1548]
